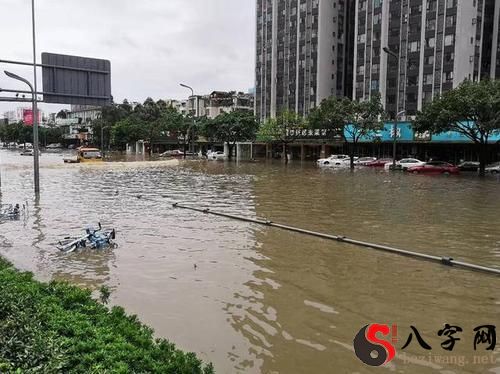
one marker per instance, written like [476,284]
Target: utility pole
[397,113]
[35,110]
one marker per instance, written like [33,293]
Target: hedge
[56,327]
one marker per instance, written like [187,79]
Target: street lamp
[196,111]
[395,126]
[35,129]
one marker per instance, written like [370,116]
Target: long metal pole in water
[36,164]
[422,256]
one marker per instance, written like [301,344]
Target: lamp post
[35,130]
[196,112]
[395,126]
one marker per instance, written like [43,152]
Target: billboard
[76,80]
[28,116]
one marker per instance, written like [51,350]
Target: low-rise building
[225,102]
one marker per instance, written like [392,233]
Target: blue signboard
[406,134]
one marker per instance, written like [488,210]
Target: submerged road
[255,299]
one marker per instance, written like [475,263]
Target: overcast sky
[153,45]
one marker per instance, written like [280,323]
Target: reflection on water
[257,299]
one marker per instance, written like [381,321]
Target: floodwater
[255,299]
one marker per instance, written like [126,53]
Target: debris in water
[93,238]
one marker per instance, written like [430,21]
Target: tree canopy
[472,109]
[284,129]
[351,120]
[232,127]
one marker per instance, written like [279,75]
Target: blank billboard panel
[76,80]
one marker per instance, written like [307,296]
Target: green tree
[110,115]
[286,128]
[230,128]
[472,109]
[184,128]
[150,115]
[352,120]
[128,130]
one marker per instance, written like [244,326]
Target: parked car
[362,161]
[176,153]
[54,146]
[468,166]
[216,156]
[25,146]
[379,163]
[493,168]
[404,164]
[435,167]
[331,160]
[28,152]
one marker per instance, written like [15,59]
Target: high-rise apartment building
[304,54]
[438,43]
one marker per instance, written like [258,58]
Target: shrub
[56,327]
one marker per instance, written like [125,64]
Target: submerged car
[28,152]
[216,156]
[172,153]
[363,161]
[493,168]
[333,160]
[54,146]
[435,167]
[379,163]
[404,164]
[468,166]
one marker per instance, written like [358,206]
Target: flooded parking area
[255,299]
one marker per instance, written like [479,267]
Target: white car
[25,146]
[404,164]
[54,146]
[334,161]
[216,156]
[364,160]
[493,168]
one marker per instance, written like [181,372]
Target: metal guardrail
[402,252]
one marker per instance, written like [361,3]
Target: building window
[377,3]
[449,57]
[414,46]
[430,42]
[448,77]
[375,85]
[375,68]
[361,38]
[429,60]
[449,40]
[451,20]
[412,80]
[377,18]
[361,69]
[430,25]
[451,3]
[428,78]
[427,97]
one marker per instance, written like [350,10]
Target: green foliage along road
[55,327]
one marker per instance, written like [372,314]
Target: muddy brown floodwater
[261,300]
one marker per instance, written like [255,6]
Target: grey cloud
[152,44]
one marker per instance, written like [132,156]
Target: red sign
[28,117]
